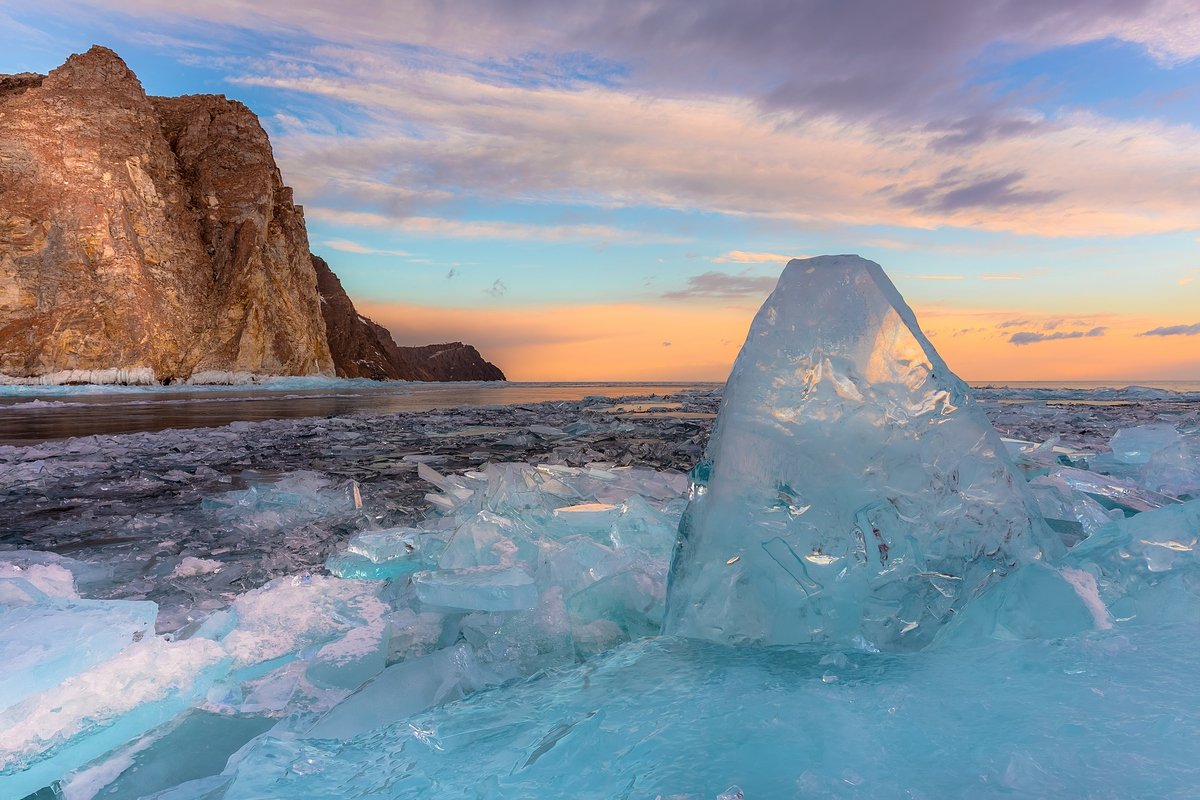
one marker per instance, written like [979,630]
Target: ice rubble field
[272,611]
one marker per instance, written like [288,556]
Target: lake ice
[468,603]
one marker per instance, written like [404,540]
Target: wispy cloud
[437,227]
[606,147]
[347,246]
[746,257]
[957,190]
[1030,337]
[723,285]
[1173,330]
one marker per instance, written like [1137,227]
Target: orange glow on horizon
[658,342]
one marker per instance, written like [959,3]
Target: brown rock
[453,361]
[364,349]
[146,233]
[265,315]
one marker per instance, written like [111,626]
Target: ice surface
[361,682]
[1139,444]
[1124,494]
[381,546]
[49,579]
[1069,512]
[288,615]
[476,589]
[100,708]
[45,640]
[196,745]
[405,689]
[1093,716]
[191,567]
[856,493]
[1145,569]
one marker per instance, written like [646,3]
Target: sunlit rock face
[852,492]
[148,235]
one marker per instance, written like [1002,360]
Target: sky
[608,190]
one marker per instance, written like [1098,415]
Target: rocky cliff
[364,349]
[152,238]
[146,234]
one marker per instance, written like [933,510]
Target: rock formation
[152,238]
[145,233]
[364,349]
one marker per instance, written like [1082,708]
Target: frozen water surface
[1101,716]
[468,602]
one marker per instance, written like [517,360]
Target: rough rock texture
[452,361]
[141,232]
[364,349]
[265,314]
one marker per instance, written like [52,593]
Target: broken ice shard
[476,589]
[854,493]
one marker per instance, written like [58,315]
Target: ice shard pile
[81,677]
[852,492]
[531,565]
[519,568]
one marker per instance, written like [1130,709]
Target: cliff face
[364,349]
[150,233]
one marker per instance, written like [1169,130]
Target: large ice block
[856,494]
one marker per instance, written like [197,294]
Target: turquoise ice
[854,493]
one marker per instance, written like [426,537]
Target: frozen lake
[286,543]
[31,414]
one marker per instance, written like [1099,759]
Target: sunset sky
[608,190]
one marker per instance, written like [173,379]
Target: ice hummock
[855,494]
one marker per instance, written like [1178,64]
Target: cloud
[498,288]
[814,113]
[723,285]
[1030,337]
[347,246]
[745,257]
[441,228]
[881,60]
[956,192]
[1173,330]
[605,147]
